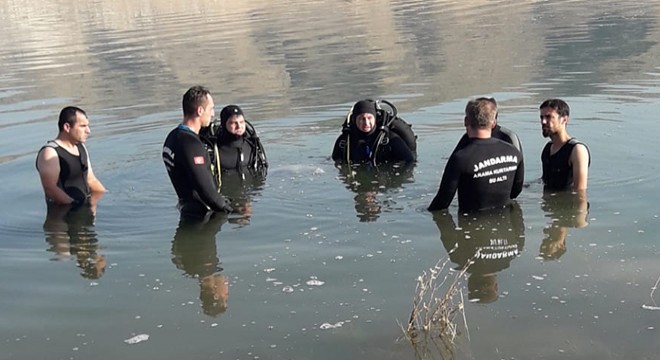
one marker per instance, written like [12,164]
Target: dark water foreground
[326,265]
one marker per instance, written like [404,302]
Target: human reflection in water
[240,188]
[370,184]
[565,210]
[194,251]
[70,232]
[194,246]
[485,243]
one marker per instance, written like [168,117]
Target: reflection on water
[565,210]
[194,251]
[240,189]
[194,248]
[374,187]
[485,243]
[132,58]
[71,232]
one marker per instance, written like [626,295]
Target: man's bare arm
[580,164]
[48,165]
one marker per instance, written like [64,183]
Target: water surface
[322,247]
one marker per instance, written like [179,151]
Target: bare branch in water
[432,328]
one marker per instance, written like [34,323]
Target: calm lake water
[320,249]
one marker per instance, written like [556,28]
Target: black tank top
[557,173]
[73,172]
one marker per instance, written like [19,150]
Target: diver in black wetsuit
[373,135]
[487,172]
[239,147]
[187,161]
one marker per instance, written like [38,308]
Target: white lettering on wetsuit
[169,159]
[498,249]
[498,174]
[495,161]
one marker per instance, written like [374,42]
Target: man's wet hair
[481,112]
[559,105]
[195,97]
[69,115]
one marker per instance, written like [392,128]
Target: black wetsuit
[486,172]
[236,152]
[73,172]
[557,173]
[188,165]
[363,149]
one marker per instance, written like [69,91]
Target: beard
[547,132]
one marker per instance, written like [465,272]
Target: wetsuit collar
[185,128]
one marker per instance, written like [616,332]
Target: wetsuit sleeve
[337,152]
[515,140]
[461,143]
[400,150]
[197,161]
[518,179]
[448,186]
[507,135]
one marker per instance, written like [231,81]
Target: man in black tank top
[487,172]
[565,160]
[63,164]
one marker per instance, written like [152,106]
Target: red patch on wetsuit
[198,160]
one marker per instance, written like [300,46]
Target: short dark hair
[559,105]
[195,97]
[481,112]
[69,115]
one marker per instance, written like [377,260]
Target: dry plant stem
[438,300]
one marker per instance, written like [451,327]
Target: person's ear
[67,127]
[465,121]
